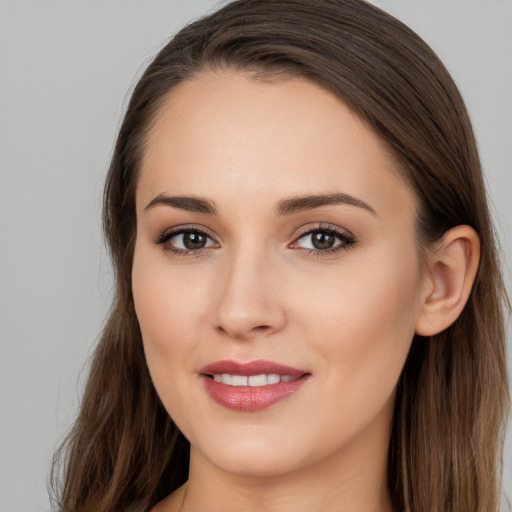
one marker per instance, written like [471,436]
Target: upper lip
[257,367]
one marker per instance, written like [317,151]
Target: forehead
[227,135]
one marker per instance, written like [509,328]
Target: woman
[309,308]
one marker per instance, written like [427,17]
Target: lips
[253,385]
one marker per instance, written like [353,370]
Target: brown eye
[187,241]
[324,240]
[321,240]
[193,240]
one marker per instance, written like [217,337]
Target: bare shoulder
[172,503]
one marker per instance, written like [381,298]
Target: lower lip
[251,398]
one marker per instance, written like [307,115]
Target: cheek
[361,326]
[364,320]
[168,309]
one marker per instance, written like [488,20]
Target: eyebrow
[284,207]
[308,202]
[189,203]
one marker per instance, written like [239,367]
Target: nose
[248,304]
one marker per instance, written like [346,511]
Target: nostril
[258,328]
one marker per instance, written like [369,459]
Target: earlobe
[448,281]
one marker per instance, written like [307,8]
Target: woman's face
[272,229]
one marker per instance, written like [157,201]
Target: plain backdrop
[65,70]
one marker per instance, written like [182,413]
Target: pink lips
[250,398]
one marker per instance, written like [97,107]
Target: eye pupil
[322,240]
[193,240]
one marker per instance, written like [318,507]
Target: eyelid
[323,226]
[176,230]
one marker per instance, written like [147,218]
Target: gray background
[65,70]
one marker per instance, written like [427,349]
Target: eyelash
[346,240]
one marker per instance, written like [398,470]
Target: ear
[452,267]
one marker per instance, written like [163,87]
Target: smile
[253,380]
[251,386]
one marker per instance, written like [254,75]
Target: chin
[258,457]
[256,466]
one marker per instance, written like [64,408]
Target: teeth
[257,380]
[273,378]
[239,380]
[226,379]
[253,380]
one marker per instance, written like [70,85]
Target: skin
[257,291]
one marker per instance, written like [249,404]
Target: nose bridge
[248,302]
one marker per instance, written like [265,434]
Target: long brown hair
[124,451]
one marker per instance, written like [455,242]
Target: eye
[191,240]
[185,241]
[323,240]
